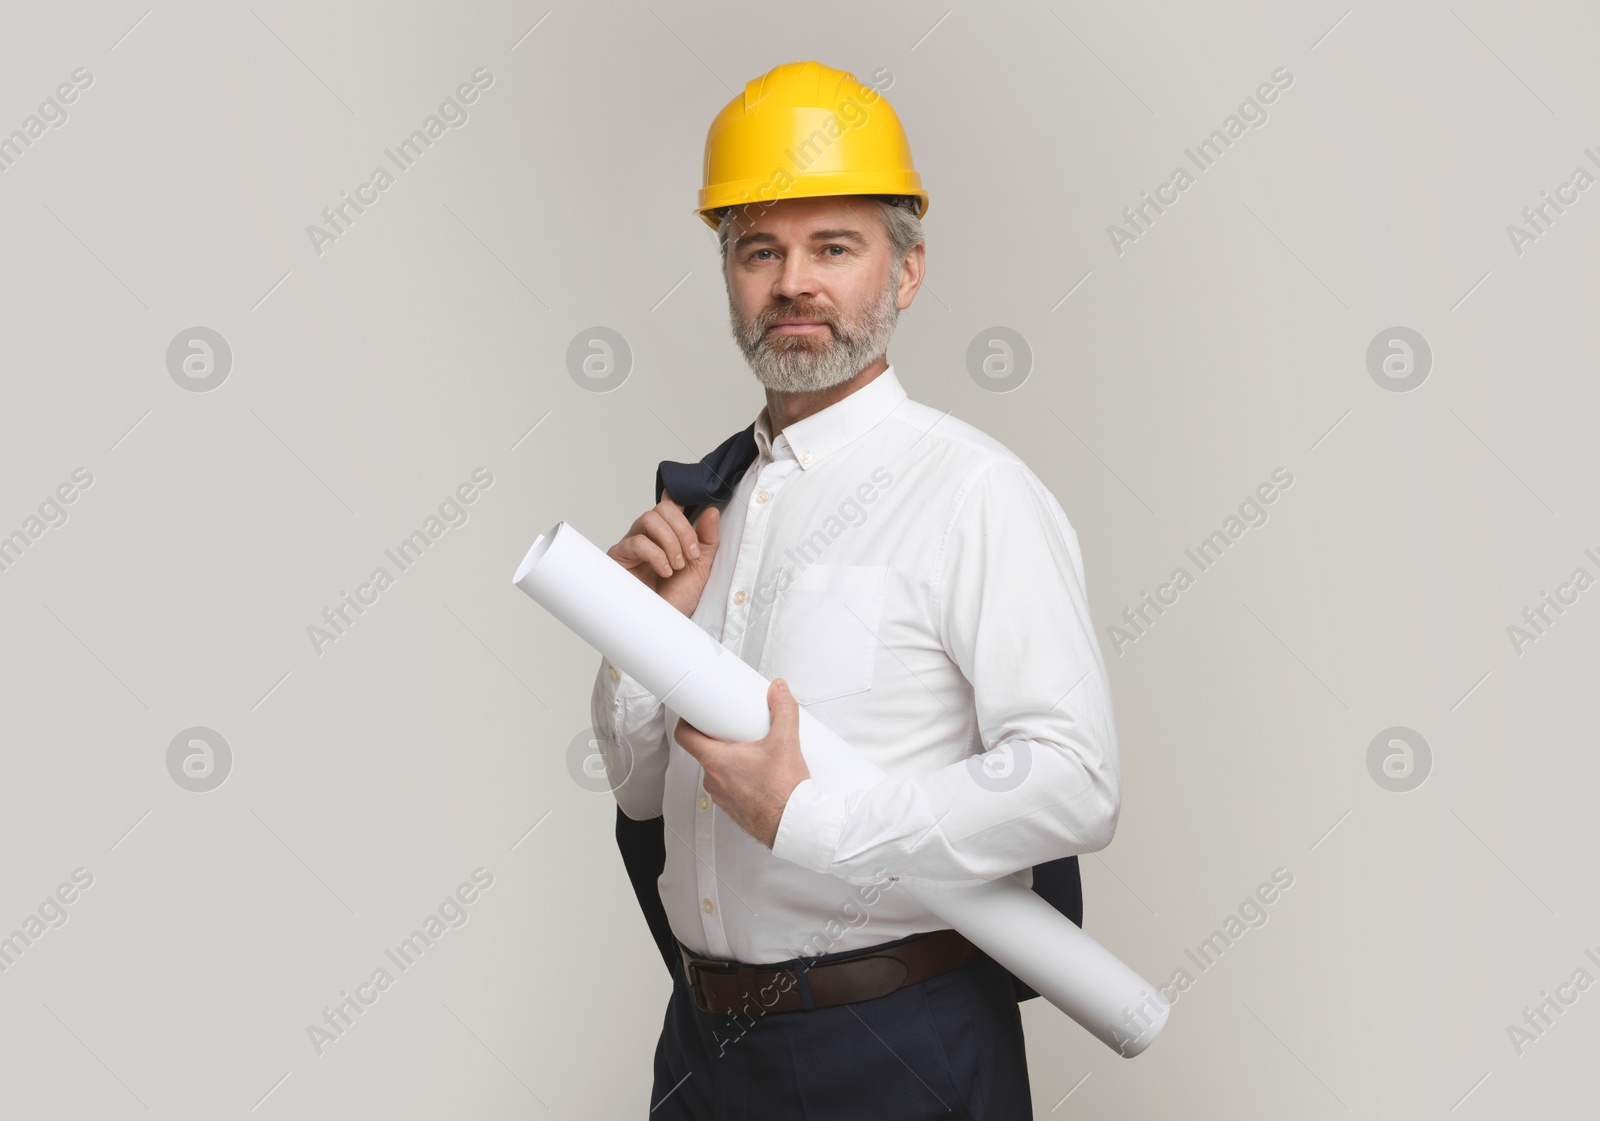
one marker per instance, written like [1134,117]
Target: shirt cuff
[810,828]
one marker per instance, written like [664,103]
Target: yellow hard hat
[804,130]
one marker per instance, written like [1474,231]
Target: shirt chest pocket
[824,637]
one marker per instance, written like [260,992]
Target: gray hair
[899,219]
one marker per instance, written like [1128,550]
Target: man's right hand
[672,557]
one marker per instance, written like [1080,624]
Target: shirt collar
[813,438]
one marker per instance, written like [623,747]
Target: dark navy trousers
[950,1047]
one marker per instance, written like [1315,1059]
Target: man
[914,584]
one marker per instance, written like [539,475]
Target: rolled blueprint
[708,685]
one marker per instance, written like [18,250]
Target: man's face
[813,291]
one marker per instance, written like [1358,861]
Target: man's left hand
[752,781]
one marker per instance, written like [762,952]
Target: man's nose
[798,280]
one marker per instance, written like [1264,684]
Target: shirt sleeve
[1013,613]
[630,730]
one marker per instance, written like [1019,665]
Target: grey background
[430,340]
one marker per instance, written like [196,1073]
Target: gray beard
[805,364]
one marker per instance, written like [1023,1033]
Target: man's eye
[840,248]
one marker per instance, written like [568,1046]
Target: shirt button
[705,802]
[707,906]
[739,596]
[894,879]
[762,496]
[615,676]
[805,459]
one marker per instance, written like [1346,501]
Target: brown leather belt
[728,987]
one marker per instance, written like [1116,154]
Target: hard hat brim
[758,194]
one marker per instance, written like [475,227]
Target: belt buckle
[694,966]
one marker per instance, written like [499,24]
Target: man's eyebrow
[762,236]
[839,235]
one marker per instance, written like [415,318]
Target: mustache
[767,319]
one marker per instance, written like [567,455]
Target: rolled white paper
[667,653]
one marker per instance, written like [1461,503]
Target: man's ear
[911,272]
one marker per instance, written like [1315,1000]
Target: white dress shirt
[923,594]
